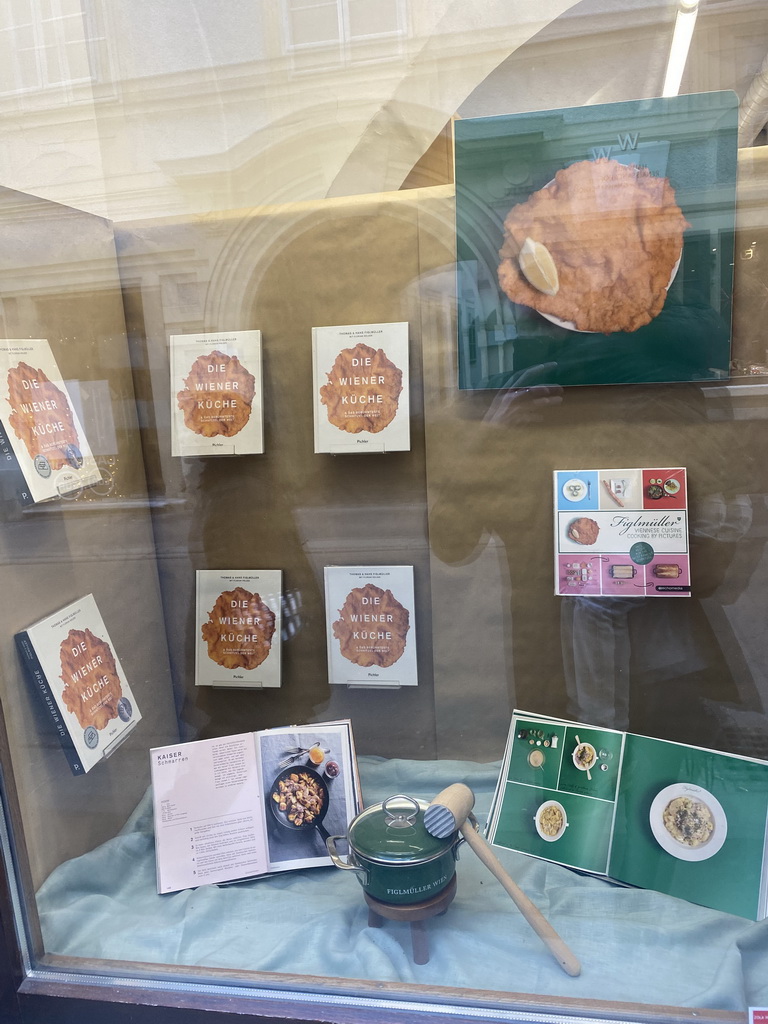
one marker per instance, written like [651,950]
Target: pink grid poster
[622,532]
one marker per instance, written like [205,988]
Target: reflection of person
[680,344]
[596,651]
[648,663]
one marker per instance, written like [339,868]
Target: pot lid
[393,832]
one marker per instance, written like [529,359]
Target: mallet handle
[527,908]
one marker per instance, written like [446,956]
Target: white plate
[569,326]
[563,827]
[575,489]
[577,764]
[668,842]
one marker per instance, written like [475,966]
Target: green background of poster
[585,842]
[730,880]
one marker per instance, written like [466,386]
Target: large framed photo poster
[595,244]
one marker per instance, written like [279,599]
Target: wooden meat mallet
[448,812]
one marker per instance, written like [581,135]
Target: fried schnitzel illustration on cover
[41,430]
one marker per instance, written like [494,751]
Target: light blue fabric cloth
[634,945]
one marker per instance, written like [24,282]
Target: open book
[683,820]
[250,804]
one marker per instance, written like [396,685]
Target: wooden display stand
[416,914]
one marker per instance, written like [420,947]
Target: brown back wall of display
[470,506]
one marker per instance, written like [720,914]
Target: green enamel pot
[396,860]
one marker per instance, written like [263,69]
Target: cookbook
[216,394]
[238,628]
[683,820]
[41,436]
[360,375]
[370,625]
[237,807]
[622,532]
[70,660]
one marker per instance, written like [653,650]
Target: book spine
[37,678]
[11,464]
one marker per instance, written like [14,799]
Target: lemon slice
[538,267]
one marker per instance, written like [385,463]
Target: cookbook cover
[216,394]
[240,806]
[622,532]
[371,628]
[360,375]
[683,820]
[39,425]
[70,660]
[238,628]
[595,244]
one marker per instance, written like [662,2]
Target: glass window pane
[73,29]
[372,17]
[314,25]
[53,70]
[19,12]
[417,352]
[28,69]
[76,62]
[300,5]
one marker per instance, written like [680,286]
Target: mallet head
[449,810]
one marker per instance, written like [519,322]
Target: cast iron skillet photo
[282,816]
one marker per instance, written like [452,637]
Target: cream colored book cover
[41,426]
[70,659]
[360,375]
[371,627]
[238,628]
[216,394]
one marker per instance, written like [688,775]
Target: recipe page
[208,817]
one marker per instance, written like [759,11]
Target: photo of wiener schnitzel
[363,389]
[92,686]
[372,627]
[217,395]
[595,248]
[42,417]
[239,630]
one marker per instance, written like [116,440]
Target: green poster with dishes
[689,822]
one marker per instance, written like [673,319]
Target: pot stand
[415,913]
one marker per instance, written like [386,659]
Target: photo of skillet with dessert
[299,800]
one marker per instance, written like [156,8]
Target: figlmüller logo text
[417,888]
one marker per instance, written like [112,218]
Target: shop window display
[330,483]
